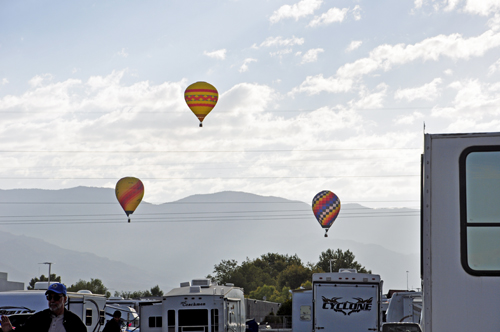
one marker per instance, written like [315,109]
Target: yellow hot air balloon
[129,192]
[201,97]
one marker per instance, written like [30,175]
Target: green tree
[294,276]
[94,285]
[340,260]
[53,278]
[156,291]
[224,271]
[285,308]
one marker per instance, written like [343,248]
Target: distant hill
[86,235]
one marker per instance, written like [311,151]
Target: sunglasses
[56,297]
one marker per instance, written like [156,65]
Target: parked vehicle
[343,301]
[404,307]
[196,306]
[460,216]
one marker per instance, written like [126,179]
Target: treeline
[97,287]
[271,276]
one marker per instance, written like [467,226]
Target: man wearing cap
[54,319]
[114,324]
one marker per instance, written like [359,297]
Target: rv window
[171,320]
[192,317]
[215,320]
[480,210]
[305,312]
[88,317]
[155,321]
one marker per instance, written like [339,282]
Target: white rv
[302,300]
[19,305]
[196,306]
[404,307]
[461,232]
[341,301]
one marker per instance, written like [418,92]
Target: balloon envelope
[326,208]
[201,98]
[129,192]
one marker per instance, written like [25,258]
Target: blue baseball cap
[56,288]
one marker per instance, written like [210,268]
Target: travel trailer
[196,306]
[346,300]
[21,304]
[460,217]
[404,307]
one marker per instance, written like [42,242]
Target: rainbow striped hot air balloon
[129,192]
[201,98]
[326,208]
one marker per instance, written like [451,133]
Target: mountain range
[85,234]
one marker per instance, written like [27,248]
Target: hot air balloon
[201,97]
[129,192]
[326,208]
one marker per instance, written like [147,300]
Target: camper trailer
[344,301]
[460,232]
[196,306]
[19,305]
[405,307]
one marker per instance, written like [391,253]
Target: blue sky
[314,94]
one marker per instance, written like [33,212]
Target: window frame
[464,224]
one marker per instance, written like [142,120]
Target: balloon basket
[201,124]
[129,219]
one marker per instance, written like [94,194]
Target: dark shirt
[113,326]
[40,322]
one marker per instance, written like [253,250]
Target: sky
[313,94]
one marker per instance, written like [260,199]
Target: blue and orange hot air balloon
[326,208]
[201,98]
[129,192]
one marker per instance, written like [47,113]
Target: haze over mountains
[84,232]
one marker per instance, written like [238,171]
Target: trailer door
[346,307]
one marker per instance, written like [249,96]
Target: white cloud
[4,81]
[369,99]
[311,55]
[429,91]
[244,66]
[332,15]
[474,100]
[39,79]
[280,53]
[418,3]
[316,84]
[448,72]
[356,12]
[353,45]
[482,7]
[123,53]
[494,67]
[409,119]
[280,41]
[453,46]
[219,54]
[296,11]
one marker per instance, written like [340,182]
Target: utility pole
[50,265]
[331,264]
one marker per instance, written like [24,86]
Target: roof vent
[42,284]
[229,284]
[348,271]
[185,284]
[195,289]
[201,282]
